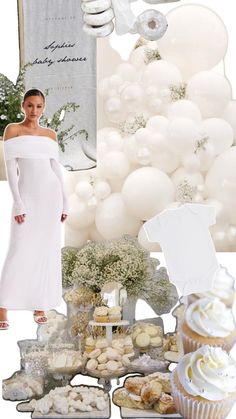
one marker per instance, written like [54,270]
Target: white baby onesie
[184,236]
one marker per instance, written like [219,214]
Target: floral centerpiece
[125,261]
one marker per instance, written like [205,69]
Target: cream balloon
[113,218]
[210,91]
[182,136]
[80,215]
[219,133]
[114,165]
[84,190]
[143,241]
[147,191]
[102,189]
[221,181]
[229,115]
[184,109]
[158,124]
[196,39]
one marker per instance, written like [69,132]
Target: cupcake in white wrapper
[204,384]
[208,322]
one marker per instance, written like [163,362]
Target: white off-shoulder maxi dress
[31,274]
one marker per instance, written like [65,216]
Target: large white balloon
[221,181]
[184,108]
[196,39]
[114,165]
[210,91]
[113,218]
[182,136]
[147,191]
[219,133]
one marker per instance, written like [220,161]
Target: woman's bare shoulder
[11,131]
[51,133]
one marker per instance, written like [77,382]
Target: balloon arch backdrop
[169,139]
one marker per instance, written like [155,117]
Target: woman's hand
[20,218]
[63,217]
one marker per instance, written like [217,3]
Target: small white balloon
[143,240]
[143,156]
[132,96]
[158,124]
[147,191]
[84,190]
[102,189]
[114,165]
[182,136]
[219,133]
[210,91]
[113,218]
[184,109]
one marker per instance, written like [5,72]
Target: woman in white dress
[31,274]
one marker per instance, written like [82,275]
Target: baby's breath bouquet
[123,261]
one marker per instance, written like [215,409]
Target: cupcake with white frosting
[223,288]
[100,314]
[204,384]
[114,314]
[208,322]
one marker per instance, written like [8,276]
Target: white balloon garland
[172,139]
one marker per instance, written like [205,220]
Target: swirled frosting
[223,286]
[210,317]
[209,372]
